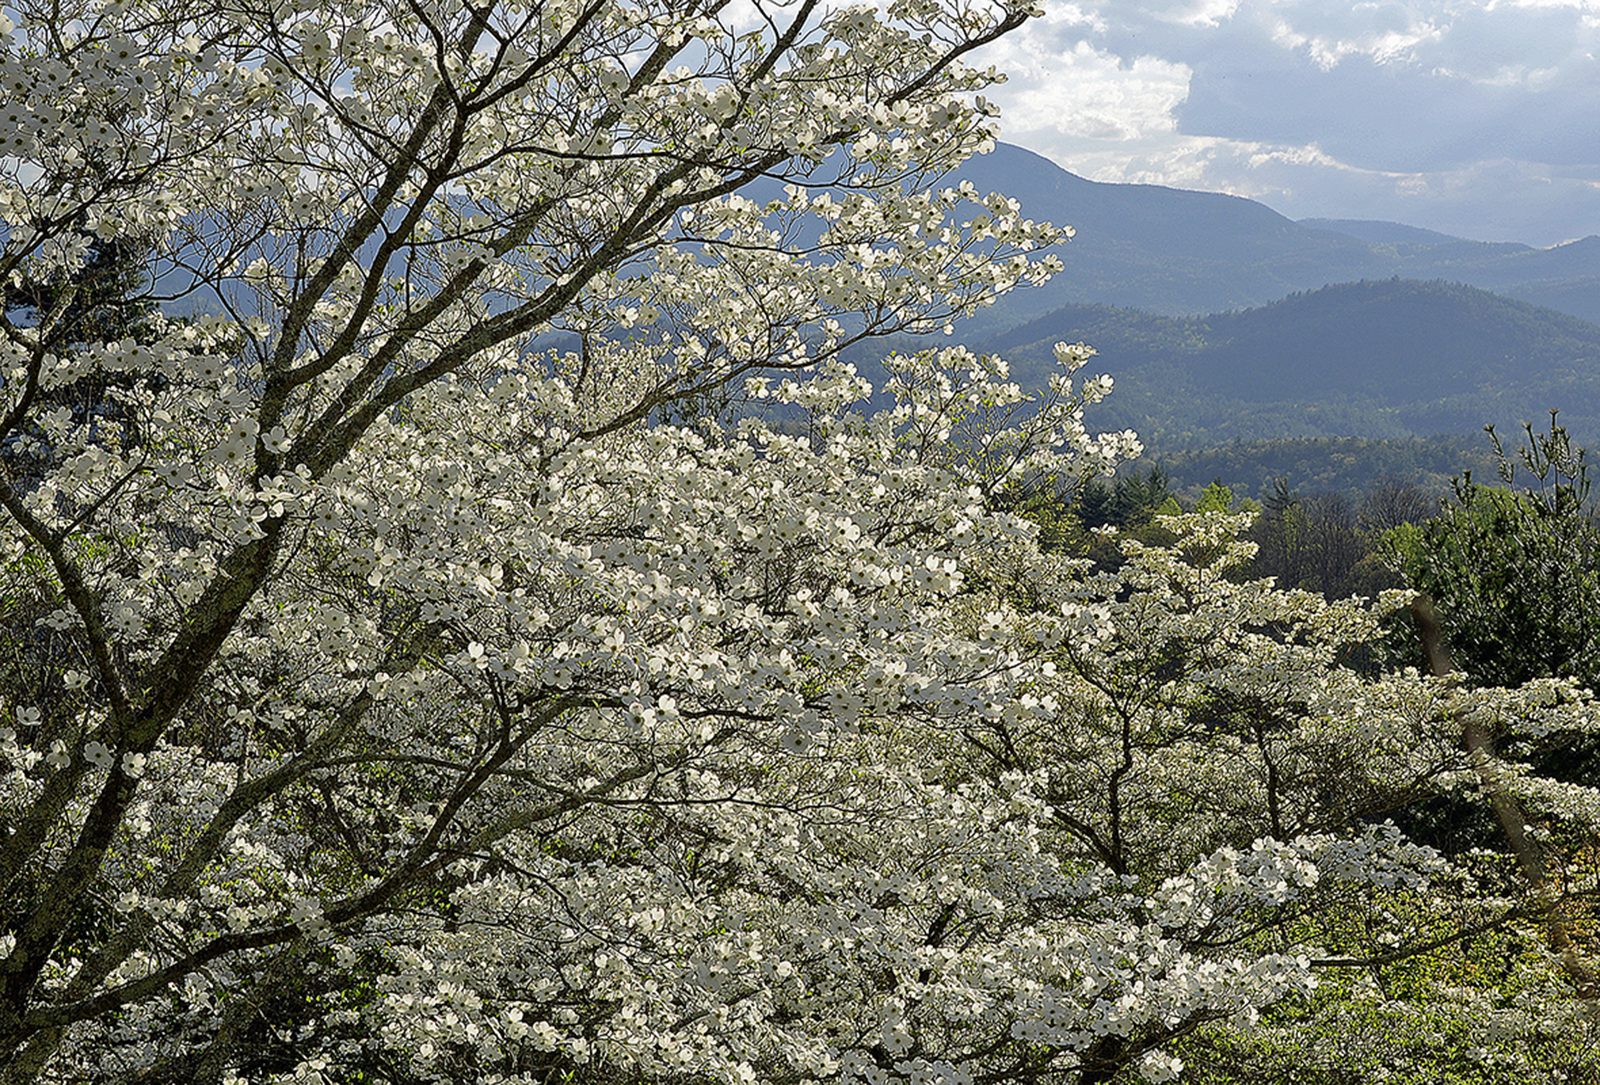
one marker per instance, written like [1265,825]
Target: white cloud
[1388,33]
[1387,47]
[1084,92]
[1479,117]
[1574,5]
[1203,13]
[1061,16]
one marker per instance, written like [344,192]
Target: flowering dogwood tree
[391,694]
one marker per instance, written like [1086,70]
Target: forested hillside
[1378,359]
[1351,466]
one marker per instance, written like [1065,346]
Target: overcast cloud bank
[1476,119]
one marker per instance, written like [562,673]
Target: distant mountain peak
[1180,252]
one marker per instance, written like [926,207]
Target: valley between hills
[1229,326]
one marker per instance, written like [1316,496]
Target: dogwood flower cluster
[496,635]
[727,753]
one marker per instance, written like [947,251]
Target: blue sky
[1480,119]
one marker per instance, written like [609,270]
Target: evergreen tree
[1512,571]
[101,301]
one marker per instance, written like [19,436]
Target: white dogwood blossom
[486,629]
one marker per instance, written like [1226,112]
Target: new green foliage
[1512,570]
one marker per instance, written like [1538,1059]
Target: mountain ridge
[1180,252]
[1390,358]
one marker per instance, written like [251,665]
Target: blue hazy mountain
[1178,252]
[1384,233]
